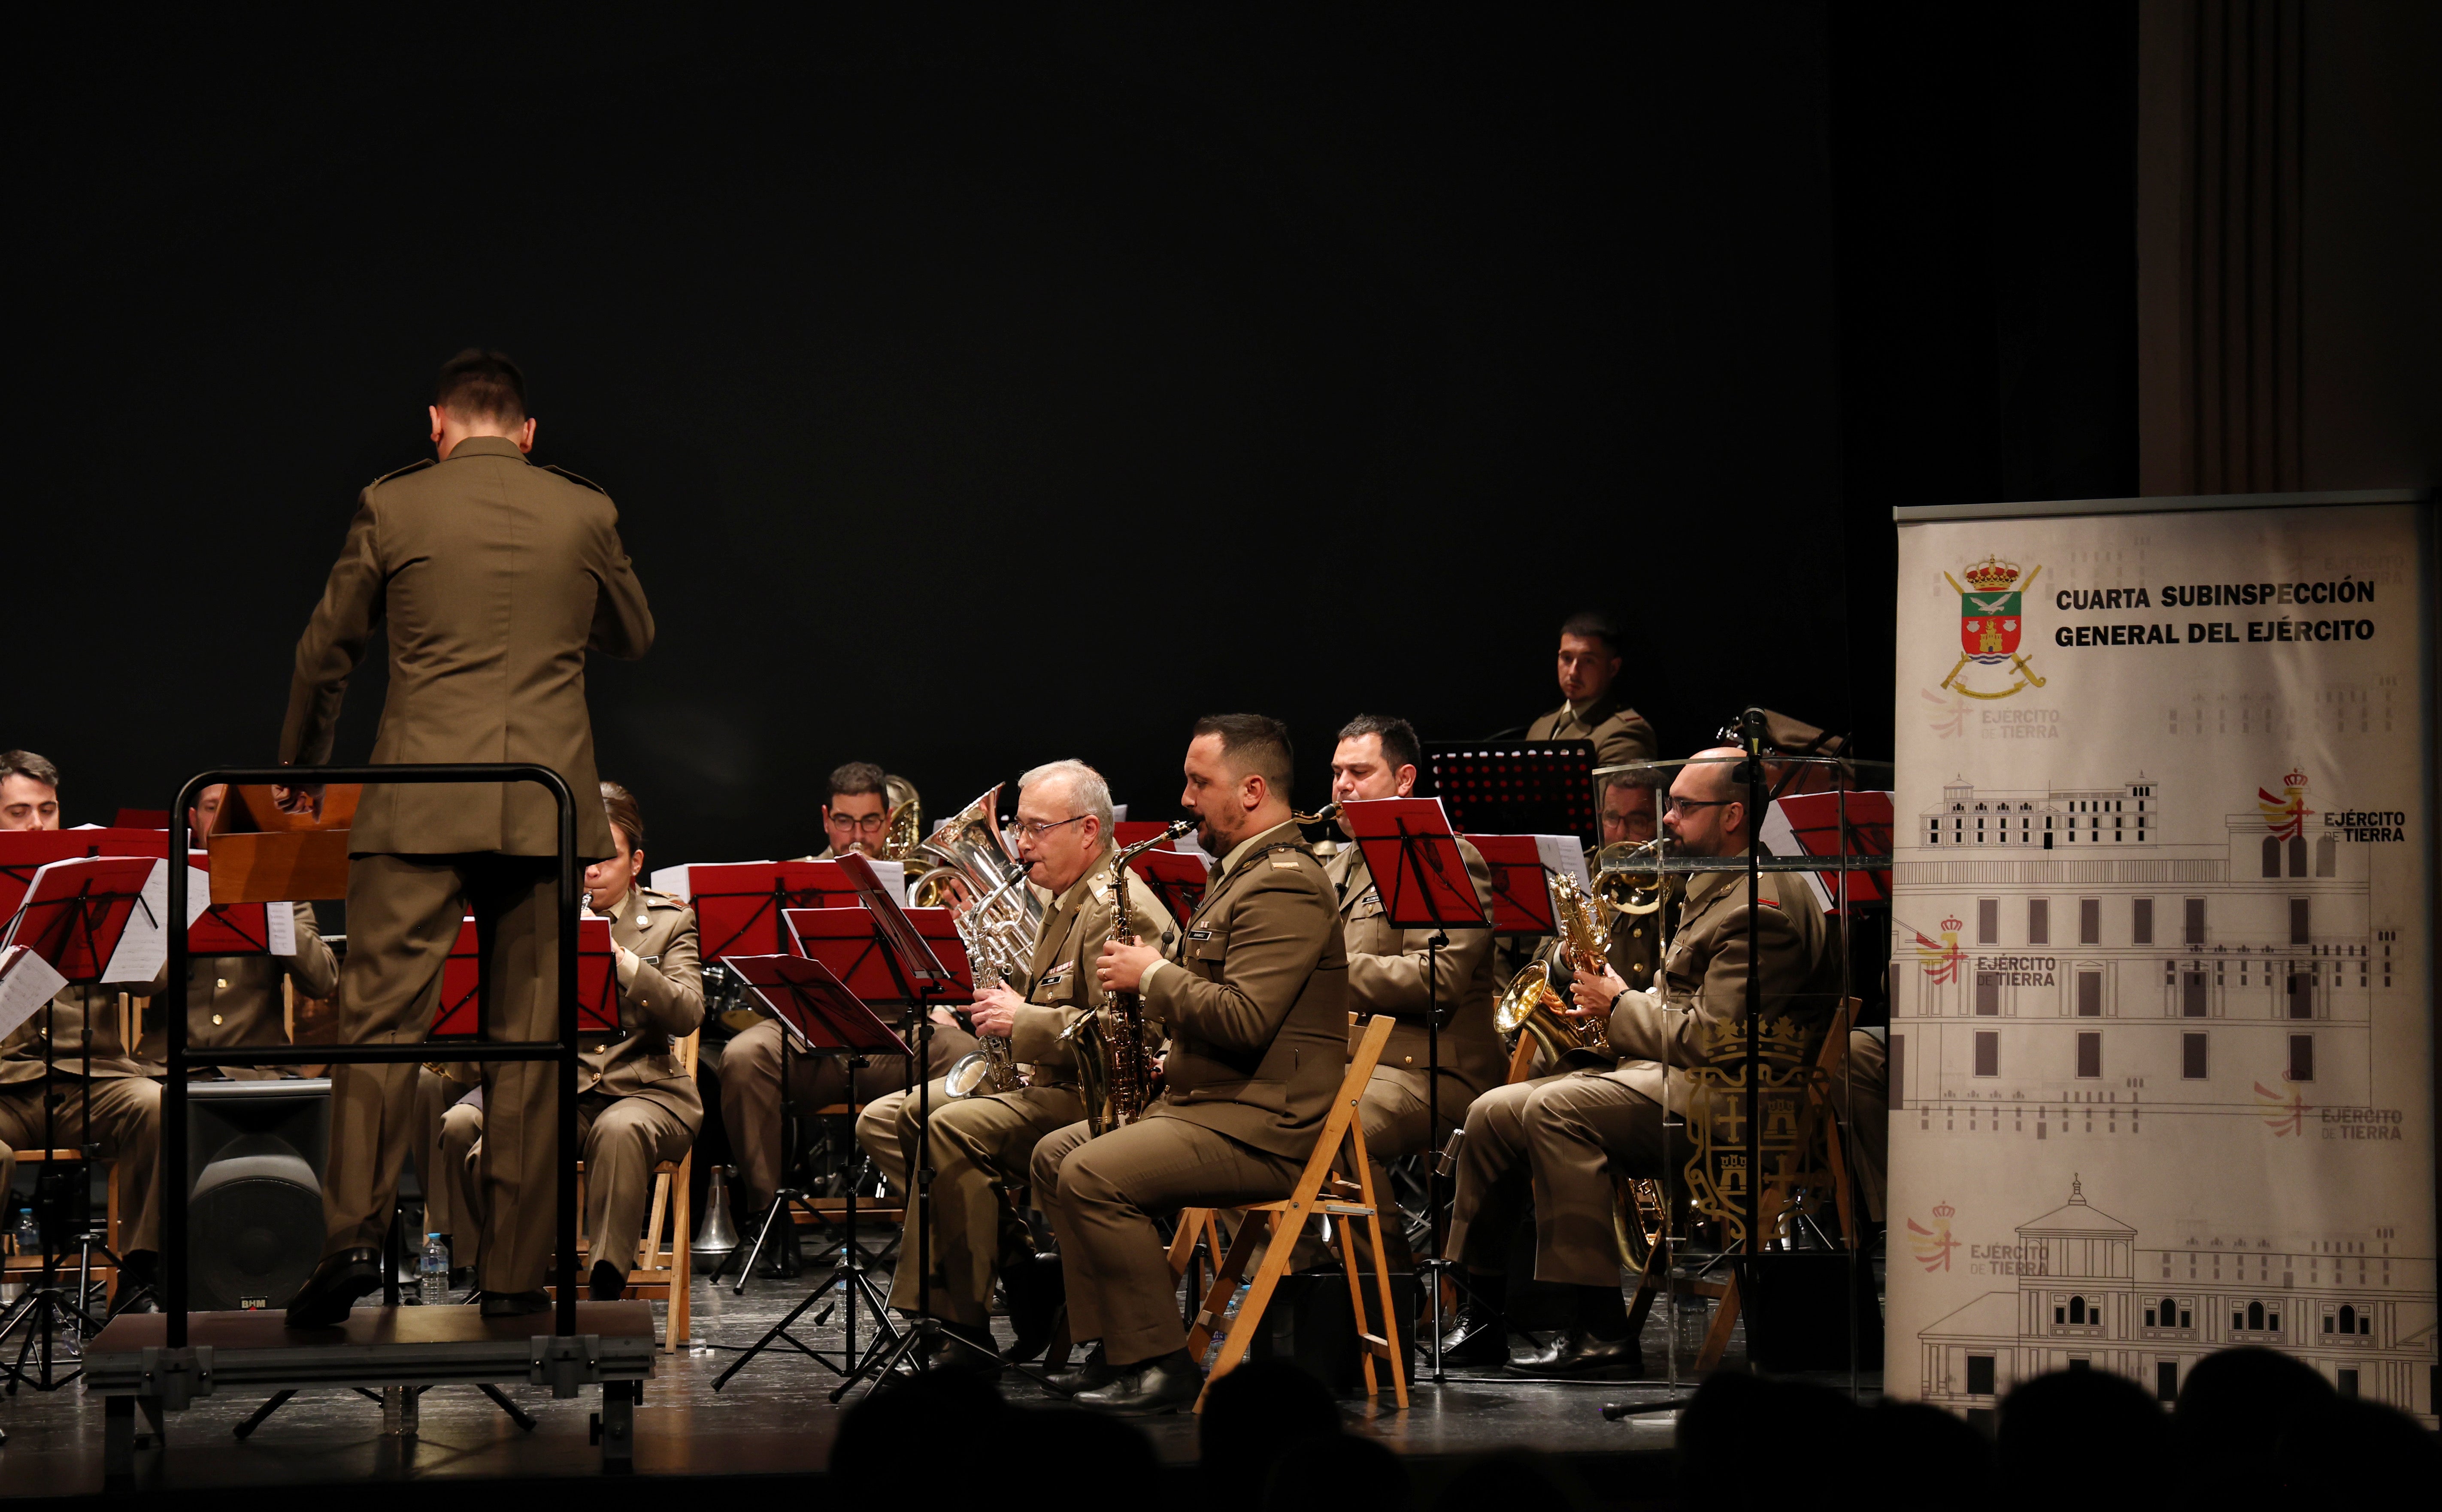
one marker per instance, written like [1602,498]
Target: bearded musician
[981,1143]
[1563,1137]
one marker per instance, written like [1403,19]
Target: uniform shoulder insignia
[575,478]
[412,467]
[1283,863]
[666,900]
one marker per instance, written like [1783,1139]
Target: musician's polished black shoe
[516,1303]
[337,1283]
[1162,1385]
[606,1282]
[1477,1339]
[969,1351]
[1095,1373]
[1579,1355]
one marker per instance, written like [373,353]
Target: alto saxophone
[1114,1062]
[1530,1004]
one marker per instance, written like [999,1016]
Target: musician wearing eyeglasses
[981,1142]
[1254,995]
[1591,707]
[1377,757]
[857,812]
[1562,1137]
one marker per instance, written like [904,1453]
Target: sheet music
[670,880]
[27,982]
[144,945]
[1562,853]
[279,927]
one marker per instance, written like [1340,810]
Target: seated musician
[96,1078]
[983,1142]
[1591,708]
[1376,759]
[1254,995]
[855,817]
[234,1001]
[1563,1137]
[636,1105]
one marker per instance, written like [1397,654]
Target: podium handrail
[563,1048]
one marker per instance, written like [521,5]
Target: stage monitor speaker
[254,1212]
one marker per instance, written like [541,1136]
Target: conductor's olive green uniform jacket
[471,562]
[1061,984]
[1256,1000]
[1619,733]
[1386,974]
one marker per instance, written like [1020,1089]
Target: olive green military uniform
[234,1001]
[636,1105]
[1254,992]
[495,579]
[1562,1136]
[124,1101]
[981,1142]
[1386,974]
[1619,733]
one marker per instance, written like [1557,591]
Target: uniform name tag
[1055,978]
[1284,865]
[1199,934]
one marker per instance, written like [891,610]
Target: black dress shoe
[516,1303]
[1162,1385]
[1580,1356]
[1035,1290]
[337,1283]
[969,1351]
[1095,1373]
[1475,1339]
[606,1282]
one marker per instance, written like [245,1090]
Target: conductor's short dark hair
[479,385]
[1253,743]
[1591,625]
[26,764]
[1401,747]
[853,777]
[620,806]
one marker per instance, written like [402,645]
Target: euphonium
[1114,1062]
[998,926]
[1529,1003]
[904,829]
[1628,881]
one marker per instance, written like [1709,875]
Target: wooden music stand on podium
[818,1015]
[1424,883]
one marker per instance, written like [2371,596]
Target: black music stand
[74,916]
[818,1015]
[1423,881]
[924,979]
[1515,788]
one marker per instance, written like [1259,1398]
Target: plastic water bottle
[432,1272]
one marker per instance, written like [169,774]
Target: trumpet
[1530,1004]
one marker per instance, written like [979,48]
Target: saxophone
[1114,1064]
[1530,1004]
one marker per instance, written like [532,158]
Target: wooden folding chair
[1278,1226]
[664,1265]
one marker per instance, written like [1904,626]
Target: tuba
[1114,1062]
[1530,1004]
[999,925]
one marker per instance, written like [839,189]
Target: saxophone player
[1376,759]
[1564,1135]
[981,1142]
[1255,994]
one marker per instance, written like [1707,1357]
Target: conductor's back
[495,579]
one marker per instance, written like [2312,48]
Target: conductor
[496,577]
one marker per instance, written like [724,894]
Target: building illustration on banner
[2092,1293]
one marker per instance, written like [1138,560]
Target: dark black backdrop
[980,390]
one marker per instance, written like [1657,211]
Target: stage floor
[772,1418]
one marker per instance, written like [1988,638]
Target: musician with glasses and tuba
[1255,994]
[1377,757]
[1563,1137]
[991,1110]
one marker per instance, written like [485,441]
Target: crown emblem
[1993,574]
[1944,1211]
[1952,926]
[2295,782]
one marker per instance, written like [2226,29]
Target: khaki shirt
[1619,733]
[1386,974]
[1061,986]
[63,1025]
[1257,1006]
[1707,970]
[661,1004]
[234,1001]
[495,579]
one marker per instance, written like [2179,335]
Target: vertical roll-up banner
[2162,986]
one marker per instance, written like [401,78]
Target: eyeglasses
[1680,805]
[869,824]
[1036,831]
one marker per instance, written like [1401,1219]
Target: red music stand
[461,1014]
[737,903]
[1177,876]
[242,929]
[96,919]
[24,852]
[1811,823]
[1522,900]
[849,940]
